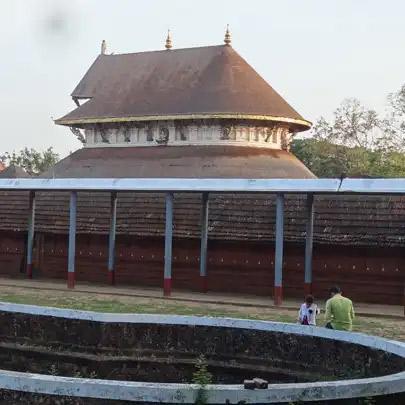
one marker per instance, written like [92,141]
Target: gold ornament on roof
[168,45]
[103,47]
[227,38]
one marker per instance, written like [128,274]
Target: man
[339,313]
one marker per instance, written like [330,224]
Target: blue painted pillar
[72,239]
[204,242]
[167,282]
[31,229]
[278,262]
[309,244]
[111,239]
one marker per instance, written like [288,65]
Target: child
[308,311]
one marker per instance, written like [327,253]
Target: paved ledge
[217,394]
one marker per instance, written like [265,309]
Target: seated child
[308,311]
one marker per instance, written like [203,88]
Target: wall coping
[186,393]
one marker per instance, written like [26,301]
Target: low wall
[251,346]
[365,274]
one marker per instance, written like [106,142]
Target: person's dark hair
[335,290]
[309,299]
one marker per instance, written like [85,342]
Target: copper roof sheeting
[180,162]
[186,83]
[339,220]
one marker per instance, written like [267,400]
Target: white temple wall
[181,133]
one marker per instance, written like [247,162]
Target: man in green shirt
[339,312]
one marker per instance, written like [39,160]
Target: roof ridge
[166,50]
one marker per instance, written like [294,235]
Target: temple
[215,114]
[198,113]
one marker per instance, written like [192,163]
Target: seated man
[339,313]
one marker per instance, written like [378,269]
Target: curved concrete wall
[217,394]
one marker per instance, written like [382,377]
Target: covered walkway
[278,187]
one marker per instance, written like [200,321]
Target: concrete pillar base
[71,279]
[203,284]
[29,270]
[278,295]
[308,288]
[111,277]
[167,287]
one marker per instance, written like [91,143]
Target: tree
[326,159]
[393,125]
[356,142]
[353,126]
[32,161]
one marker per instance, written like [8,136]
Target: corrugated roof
[180,162]
[182,83]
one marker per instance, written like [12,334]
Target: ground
[389,328]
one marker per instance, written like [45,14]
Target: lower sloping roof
[339,220]
[180,162]
[13,172]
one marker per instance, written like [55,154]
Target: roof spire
[168,45]
[227,38]
[103,47]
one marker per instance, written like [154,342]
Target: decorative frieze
[188,133]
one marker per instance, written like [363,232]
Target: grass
[389,328]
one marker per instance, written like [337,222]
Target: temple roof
[180,161]
[204,82]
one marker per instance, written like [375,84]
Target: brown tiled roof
[13,172]
[180,161]
[183,82]
[339,220]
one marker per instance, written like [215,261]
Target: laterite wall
[365,274]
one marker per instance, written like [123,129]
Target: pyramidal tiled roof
[212,81]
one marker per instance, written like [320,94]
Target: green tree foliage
[326,159]
[353,125]
[356,142]
[393,125]
[31,160]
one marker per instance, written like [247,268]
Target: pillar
[278,262]
[111,239]
[167,282]
[309,244]
[72,239]
[31,229]
[204,241]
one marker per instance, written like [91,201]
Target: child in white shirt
[308,311]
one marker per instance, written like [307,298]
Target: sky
[315,53]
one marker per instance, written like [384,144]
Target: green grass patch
[376,326]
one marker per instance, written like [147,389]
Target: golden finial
[168,45]
[103,47]
[227,38]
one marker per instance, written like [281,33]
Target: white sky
[314,52]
